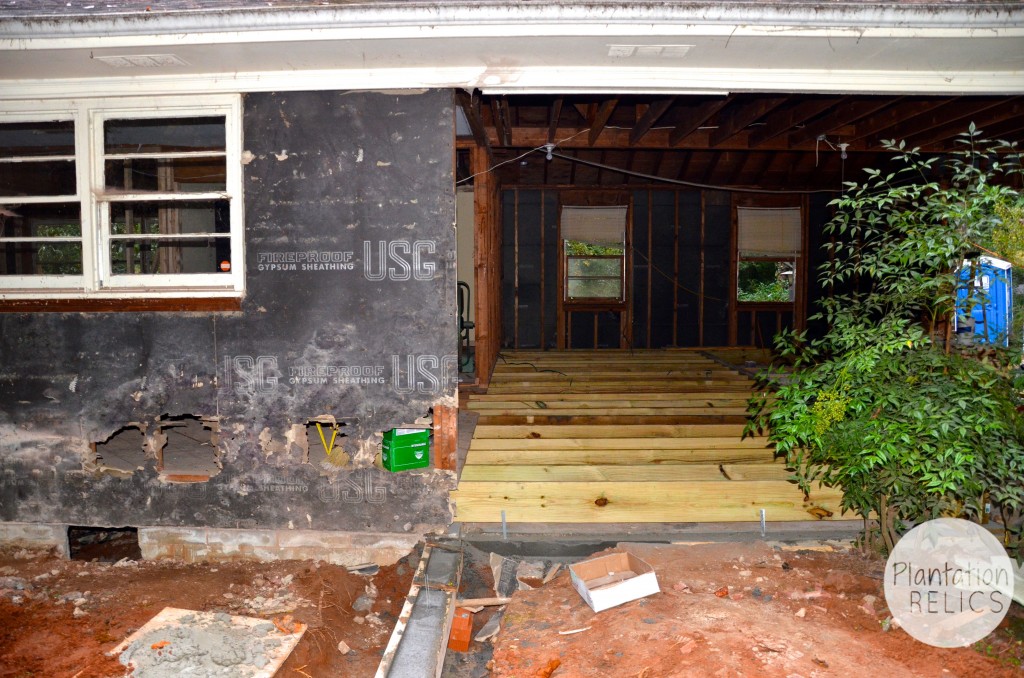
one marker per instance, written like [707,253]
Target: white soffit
[516,49]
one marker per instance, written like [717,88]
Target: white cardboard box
[607,581]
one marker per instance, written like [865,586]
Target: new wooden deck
[619,437]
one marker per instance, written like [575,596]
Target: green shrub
[883,405]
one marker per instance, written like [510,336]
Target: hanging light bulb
[549,148]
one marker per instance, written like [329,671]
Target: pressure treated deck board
[610,431]
[604,387]
[614,455]
[611,502]
[625,436]
[531,473]
[614,412]
[549,400]
[776,471]
[759,444]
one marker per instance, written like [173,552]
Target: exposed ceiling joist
[739,117]
[556,113]
[955,115]
[893,115]
[647,120]
[982,117]
[782,121]
[471,108]
[601,119]
[767,141]
[502,121]
[845,114]
[694,117]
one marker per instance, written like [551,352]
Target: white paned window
[114,198]
[768,248]
[593,245]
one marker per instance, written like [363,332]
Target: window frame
[590,301]
[794,258]
[98,281]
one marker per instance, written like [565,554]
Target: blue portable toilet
[991,311]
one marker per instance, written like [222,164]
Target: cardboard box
[607,581]
[405,448]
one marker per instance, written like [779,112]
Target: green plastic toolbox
[405,448]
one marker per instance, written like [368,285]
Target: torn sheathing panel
[346,319]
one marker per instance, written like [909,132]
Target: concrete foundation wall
[36,536]
[349,317]
[339,548]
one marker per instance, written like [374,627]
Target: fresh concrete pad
[180,642]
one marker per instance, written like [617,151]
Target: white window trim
[95,282]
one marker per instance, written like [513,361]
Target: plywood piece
[610,502]
[189,632]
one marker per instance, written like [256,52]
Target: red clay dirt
[758,629]
[42,635]
[786,614]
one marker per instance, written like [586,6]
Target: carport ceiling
[770,141]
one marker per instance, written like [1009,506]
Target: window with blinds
[594,247]
[768,243]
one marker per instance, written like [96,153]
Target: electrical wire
[681,182]
[543,147]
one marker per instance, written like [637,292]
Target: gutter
[443,19]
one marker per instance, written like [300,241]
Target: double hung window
[110,198]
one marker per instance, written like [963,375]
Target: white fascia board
[455,32]
[443,21]
[531,79]
[722,80]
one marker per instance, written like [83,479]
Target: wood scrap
[482,602]
[552,573]
[573,631]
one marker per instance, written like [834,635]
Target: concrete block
[233,540]
[179,543]
[36,536]
[346,548]
[338,548]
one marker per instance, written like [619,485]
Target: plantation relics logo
[949,582]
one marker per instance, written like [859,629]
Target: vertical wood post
[487,265]
[446,437]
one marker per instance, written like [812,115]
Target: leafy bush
[884,406]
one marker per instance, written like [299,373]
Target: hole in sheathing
[104,544]
[187,448]
[325,439]
[123,453]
